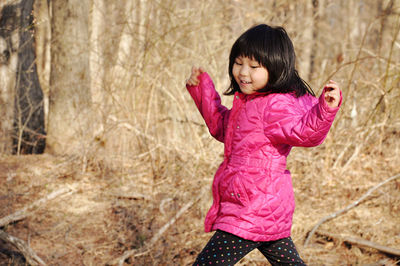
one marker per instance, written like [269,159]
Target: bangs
[253,46]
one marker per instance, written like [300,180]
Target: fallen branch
[23,213]
[30,256]
[362,242]
[146,248]
[347,208]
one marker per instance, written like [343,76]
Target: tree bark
[42,48]
[28,111]
[69,119]
[307,60]
[9,36]
[22,125]
[108,21]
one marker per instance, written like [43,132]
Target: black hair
[273,49]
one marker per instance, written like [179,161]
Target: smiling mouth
[245,82]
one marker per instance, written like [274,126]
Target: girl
[273,110]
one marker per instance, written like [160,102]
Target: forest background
[104,158]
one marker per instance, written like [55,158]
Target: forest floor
[104,212]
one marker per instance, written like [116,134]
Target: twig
[31,257]
[146,248]
[133,196]
[23,213]
[362,242]
[133,128]
[347,208]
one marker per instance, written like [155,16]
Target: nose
[244,70]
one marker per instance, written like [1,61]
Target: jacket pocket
[235,192]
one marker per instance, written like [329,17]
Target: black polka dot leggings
[227,249]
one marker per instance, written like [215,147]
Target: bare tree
[42,48]
[21,94]
[8,65]
[108,21]
[69,119]
[29,111]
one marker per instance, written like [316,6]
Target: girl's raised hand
[332,94]
[193,80]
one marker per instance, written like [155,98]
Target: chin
[247,92]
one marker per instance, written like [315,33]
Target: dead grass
[116,211]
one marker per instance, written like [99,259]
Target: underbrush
[108,213]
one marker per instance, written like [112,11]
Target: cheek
[235,72]
[263,78]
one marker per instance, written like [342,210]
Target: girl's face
[249,74]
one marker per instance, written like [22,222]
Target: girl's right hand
[193,79]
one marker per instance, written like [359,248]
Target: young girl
[273,110]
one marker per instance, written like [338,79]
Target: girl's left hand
[332,94]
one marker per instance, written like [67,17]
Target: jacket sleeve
[209,104]
[298,122]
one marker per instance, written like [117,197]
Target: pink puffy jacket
[252,190]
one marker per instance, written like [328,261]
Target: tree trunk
[9,24]
[307,60]
[69,119]
[108,22]
[42,48]
[28,111]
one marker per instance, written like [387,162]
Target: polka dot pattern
[227,249]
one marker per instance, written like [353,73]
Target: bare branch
[146,248]
[362,242]
[347,208]
[31,257]
[23,213]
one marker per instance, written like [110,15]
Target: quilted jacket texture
[252,189]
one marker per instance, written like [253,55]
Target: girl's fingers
[332,93]
[193,79]
[332,84]
[194,70]
[332,99]
[192,82]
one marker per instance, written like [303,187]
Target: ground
[108,211]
